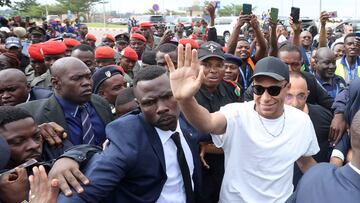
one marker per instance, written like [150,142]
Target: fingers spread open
[169,63]
[180,59]
[188,56]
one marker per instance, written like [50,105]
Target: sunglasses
[272,90]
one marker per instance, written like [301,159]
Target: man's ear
[101,92]
[137,102]
[56,83]
[28,88]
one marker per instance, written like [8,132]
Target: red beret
[90,36]
[138,36]
[146,25]
[35,53]
[134,29]
[104,52]
[71,42]
[193,36]
[192,42]
[129,53]
[53,48]
[108,36]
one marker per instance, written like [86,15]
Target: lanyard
[244,77]
[333,93]
[350,76]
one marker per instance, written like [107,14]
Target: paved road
[98,32]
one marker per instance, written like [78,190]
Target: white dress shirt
[174,190]
[357,170]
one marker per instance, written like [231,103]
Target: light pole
[104,11]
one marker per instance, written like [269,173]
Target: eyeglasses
[272,90]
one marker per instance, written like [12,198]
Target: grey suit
[49,110]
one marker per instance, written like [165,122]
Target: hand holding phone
[332,14]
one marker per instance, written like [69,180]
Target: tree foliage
[29,8]
[77,6]
[230,10]
[5,3]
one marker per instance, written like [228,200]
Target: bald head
[306,39]
[298,92]
[65,64]
[12,74]
[324,52]
[325,62]
[14,88]
[71,80]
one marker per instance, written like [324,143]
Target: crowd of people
[155,115]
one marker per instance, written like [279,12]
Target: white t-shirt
[259,166]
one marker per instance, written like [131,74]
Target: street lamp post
[104,11]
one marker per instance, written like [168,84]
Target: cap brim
[272,75]
[211,55]
[12,45]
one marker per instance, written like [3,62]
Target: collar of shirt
[344,62]
[354,168]
[219,90]
[68,106]
[27,100]
[165,135]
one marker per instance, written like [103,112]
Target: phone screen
[274,14]
[247,9]
[295,14]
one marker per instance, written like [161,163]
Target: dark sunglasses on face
[272,90]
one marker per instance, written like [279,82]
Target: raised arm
[261,52]
[273,45]
[185,83]
[296,27]
[324,16]
[234,37]
[212,34]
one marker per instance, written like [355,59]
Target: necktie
[88,134]
[184,168]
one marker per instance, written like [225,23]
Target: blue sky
[309,8]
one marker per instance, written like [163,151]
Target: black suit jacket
[49,110]
[132,168]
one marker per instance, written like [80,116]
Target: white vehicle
[224,26]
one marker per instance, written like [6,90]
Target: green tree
[230,10]
[78,6]
[5,3]
[29,8]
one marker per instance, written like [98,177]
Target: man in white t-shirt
[261,139]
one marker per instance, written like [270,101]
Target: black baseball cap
[229,58]
[272,67]
[210,49]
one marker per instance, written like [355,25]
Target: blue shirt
[336,85]
[73,120]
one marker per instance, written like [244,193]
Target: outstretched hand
[43,190]
[186,80]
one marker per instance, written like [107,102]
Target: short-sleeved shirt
[258,165]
